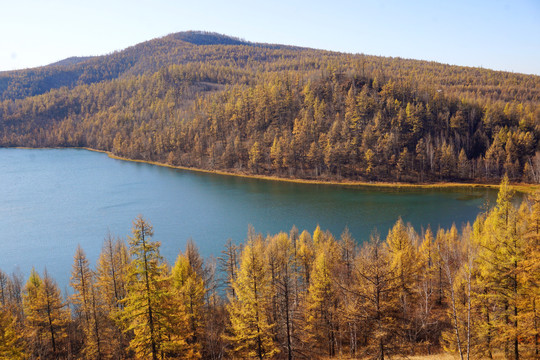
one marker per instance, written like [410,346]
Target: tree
[229,265]
[405,262]
[378,301]
[110,288]
[46,316]
[88,305]
[145,312]
[255,156]
[457,269]
[322,300]
[280,254]
[111,272]
[531,316]
[10,339]
[187,288]
[429,329]
[501,262]
[248,312]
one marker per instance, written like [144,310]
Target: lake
[54,199]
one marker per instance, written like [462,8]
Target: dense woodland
[473,292]
[209,101]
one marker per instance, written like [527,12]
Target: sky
[494,34]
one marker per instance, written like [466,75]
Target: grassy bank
[521,187]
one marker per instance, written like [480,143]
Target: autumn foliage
[472,292]
[212,102]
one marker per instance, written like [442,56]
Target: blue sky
[495,34]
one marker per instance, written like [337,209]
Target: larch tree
[88,305]
[111,272]
[305,255]
[187,290]
[322,301]
[501,262]
[250,326]
[145,311]
[280,253]
[47,317]
[427,326]
[458,262]
[349,325]
[405,262]
[110,287]
[378,301]
[11,346]
[229,265]
[531,317]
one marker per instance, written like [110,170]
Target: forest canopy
[473,292]
[209,101]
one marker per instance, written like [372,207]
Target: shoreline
[521,187]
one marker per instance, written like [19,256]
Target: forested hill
[211,101]
[146,57]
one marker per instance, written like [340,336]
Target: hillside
[211,101]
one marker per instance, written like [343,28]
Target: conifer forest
[208,101]
[473,292]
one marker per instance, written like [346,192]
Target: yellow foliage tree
[145,312]
[248,312]
[10,339]
[187,290]
[46,316]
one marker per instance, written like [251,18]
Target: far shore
[521,187]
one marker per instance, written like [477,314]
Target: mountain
[212,101]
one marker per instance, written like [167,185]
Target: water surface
[53,199]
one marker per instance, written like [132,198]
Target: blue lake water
[53,199]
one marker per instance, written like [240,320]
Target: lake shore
[521,187]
